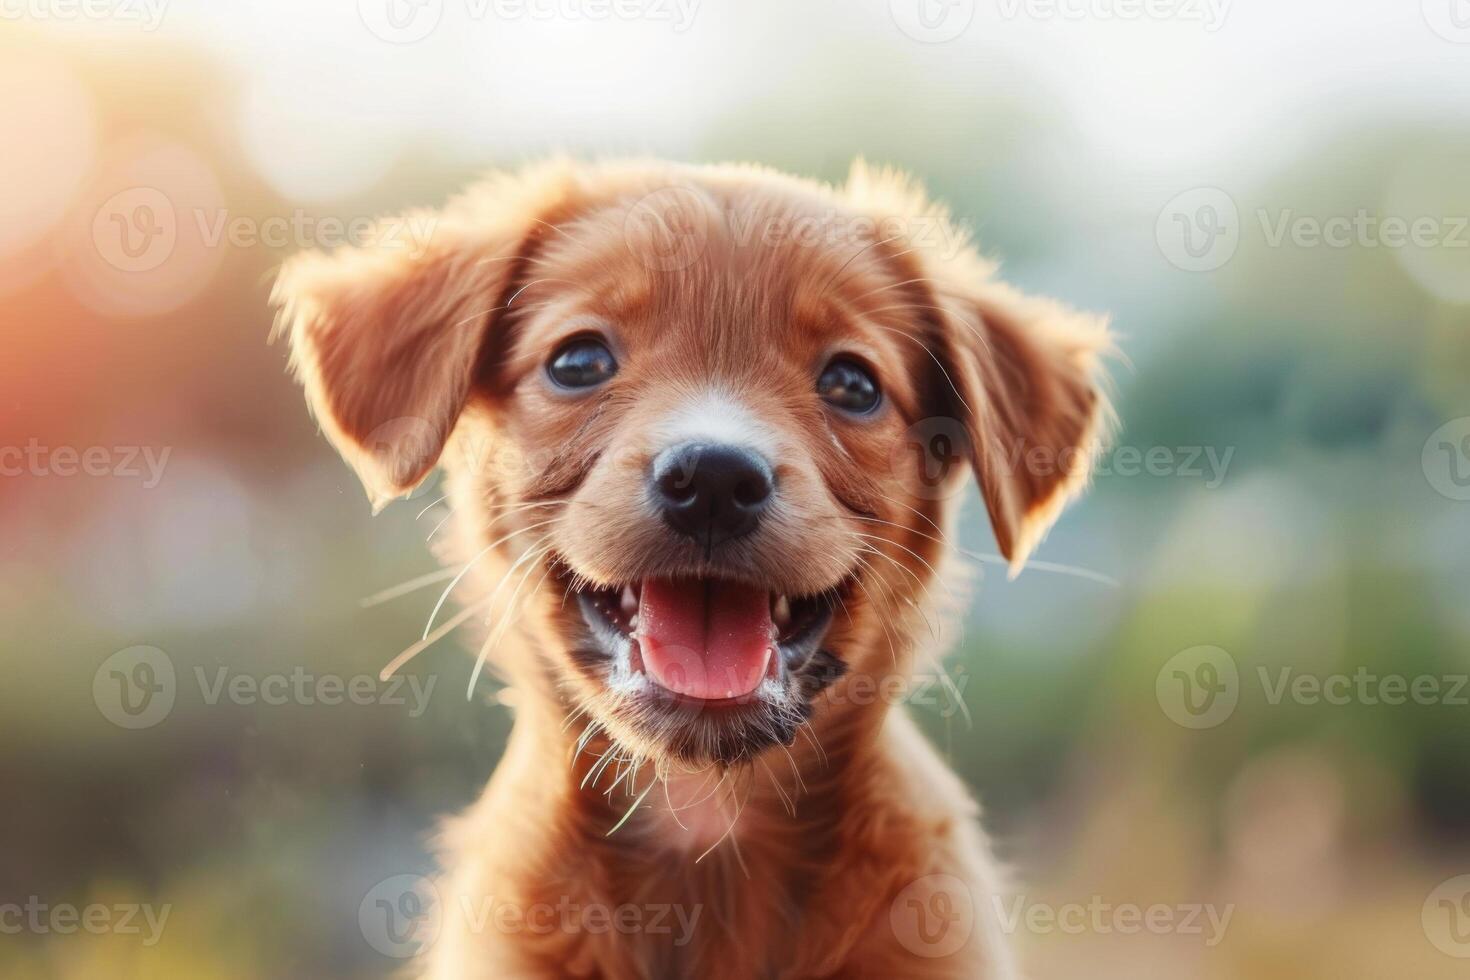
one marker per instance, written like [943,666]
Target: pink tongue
[705,639]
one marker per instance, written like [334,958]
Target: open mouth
[707,640]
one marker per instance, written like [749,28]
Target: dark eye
[582,363]
[848,385]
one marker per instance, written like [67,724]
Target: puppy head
[699,422]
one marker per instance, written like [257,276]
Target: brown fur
[413,360]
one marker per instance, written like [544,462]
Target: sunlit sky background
[322,107]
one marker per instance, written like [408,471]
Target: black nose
[712,493]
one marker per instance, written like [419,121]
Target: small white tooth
[633,622]
[781,611]
[630,601]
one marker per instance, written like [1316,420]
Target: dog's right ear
[385,337]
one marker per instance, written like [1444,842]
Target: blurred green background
[1292,499]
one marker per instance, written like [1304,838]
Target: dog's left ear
[386,337]
[385,342]
[1027,371]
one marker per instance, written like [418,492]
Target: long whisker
[868,549]
[893,285]
[431,506]
[851,259]
[473,561]
[404,588]
[1043,566]
[494,639]
[932,570]
[641,797]
[932,356]
[511,302]
[444,630]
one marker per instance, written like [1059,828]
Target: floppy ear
[1028,372]
[386,337]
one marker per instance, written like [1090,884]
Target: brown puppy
[696,425]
